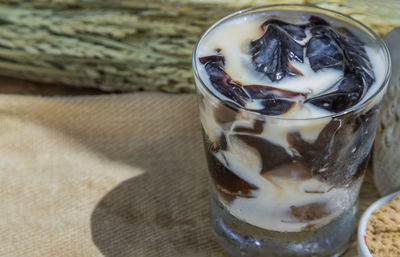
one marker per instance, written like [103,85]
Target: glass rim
[381,44]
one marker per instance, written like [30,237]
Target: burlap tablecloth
[107,175]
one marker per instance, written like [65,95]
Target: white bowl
[362,248]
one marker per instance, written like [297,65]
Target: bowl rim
[363,249]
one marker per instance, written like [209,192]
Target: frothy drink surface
[279,171]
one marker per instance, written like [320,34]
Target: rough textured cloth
[107,175]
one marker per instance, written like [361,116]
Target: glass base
[239,238]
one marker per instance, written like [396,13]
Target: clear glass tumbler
[303,199]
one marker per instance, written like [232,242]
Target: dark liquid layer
[337,157]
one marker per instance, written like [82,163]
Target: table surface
[10,85]
[15,86]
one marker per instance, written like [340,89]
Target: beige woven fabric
[110,175]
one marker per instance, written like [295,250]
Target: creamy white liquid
[279,190]
[233,38]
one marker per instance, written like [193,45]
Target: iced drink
[289,102]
